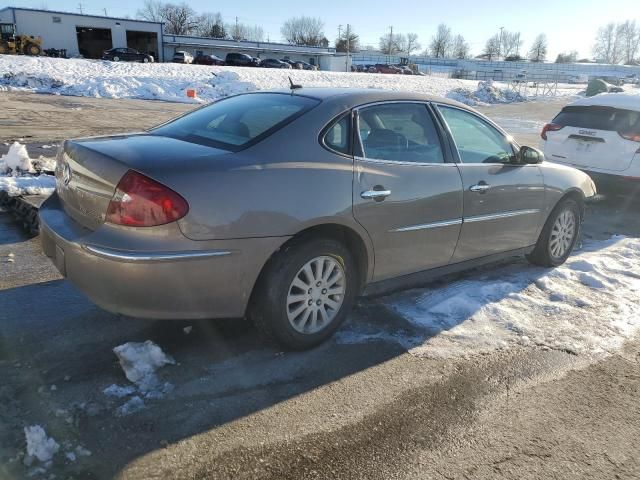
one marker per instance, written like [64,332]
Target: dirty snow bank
[140,362]
[587,306]
[169,81]
[20,174]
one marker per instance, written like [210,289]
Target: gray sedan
[284,206]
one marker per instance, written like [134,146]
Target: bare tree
[341,41]
[411,44]
[511,43]
[390,44]
[539,49]
[570,57]
[492,47]
[304,31]
[151,11]
[441,42]
[210,25]
[608,44]
[630,40]
[460,49]
[241,31]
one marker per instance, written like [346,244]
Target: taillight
[634,136]
[549,127]
[142,202]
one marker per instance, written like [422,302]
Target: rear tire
[559,235]
[305,293]
[116,59]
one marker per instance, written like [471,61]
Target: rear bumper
[201,279]
[609,183]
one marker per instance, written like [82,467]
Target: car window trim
[329,125]
[515,147]
[361,153]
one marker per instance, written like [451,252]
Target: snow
[629,100]
[119,390]
[39,445]
[19,173]
[133,405]
[140,362]
[169,81]
[587,306]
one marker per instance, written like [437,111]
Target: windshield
[237,122]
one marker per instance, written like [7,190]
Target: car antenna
[293,85]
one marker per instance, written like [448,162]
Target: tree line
[614,43]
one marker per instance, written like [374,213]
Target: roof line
[26,9]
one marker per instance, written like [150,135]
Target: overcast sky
[569,24]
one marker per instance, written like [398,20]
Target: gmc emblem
[591,133]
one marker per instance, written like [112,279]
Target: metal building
[86,35]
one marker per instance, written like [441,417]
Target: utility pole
[80,8]
[339,32]
[390,40]
[237,33]
[346,66]
[105,12]
[500,43]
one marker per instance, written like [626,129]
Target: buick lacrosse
[284,206]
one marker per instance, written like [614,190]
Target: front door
[406,195]
[503,201]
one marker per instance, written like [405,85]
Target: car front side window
[477,141]
[401,132]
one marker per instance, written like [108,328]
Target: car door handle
[375,194]
[480,188]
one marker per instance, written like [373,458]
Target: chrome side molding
[124,256]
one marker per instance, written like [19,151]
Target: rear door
[592,138]
[503,202]
[406,194]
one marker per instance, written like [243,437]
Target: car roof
[367,95]
[626,101]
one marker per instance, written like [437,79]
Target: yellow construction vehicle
[14,44]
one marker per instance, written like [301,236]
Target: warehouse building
[86,35]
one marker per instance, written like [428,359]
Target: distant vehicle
[404,69]
[208,60]
[304,65]
[520,78]
[577,79]
[601,136]
[241,60]
[208,216]
[292,63]
[274,63]
[180,56]
[126,55]
[385,68]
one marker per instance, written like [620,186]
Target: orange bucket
[191,93]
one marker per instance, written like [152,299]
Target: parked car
[207,216]
[300,64]
[601,136]
[293,64]
[384,68]
[126,55]
[241,60]
[404,69]
[180,56]
[208,60]
[274,63]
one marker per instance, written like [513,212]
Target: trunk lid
[88,170]
[590,140]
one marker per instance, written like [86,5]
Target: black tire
[116,58]
[541,254]
[268,308]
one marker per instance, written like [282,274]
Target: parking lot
[361,406]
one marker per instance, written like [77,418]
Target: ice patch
[587,306]
[133,405]
[140,362]
[119,390]
[39,445]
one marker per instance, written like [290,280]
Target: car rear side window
[598,118]
[339,135]
[237,122]
[401,132]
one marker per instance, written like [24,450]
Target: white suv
[600,135]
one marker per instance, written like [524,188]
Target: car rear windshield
[598,118]
[237,122]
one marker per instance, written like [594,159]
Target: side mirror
[529,155]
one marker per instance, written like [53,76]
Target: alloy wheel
[562,234]
[316,294]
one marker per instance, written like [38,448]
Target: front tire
[305,293]
[116,59]
[559,235]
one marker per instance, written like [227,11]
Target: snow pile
[39,445]
[486,93]
[140,362]
[169,81]
[587,306]
[20,174]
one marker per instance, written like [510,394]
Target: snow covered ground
[587,306]
[169,82]
[20,174]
